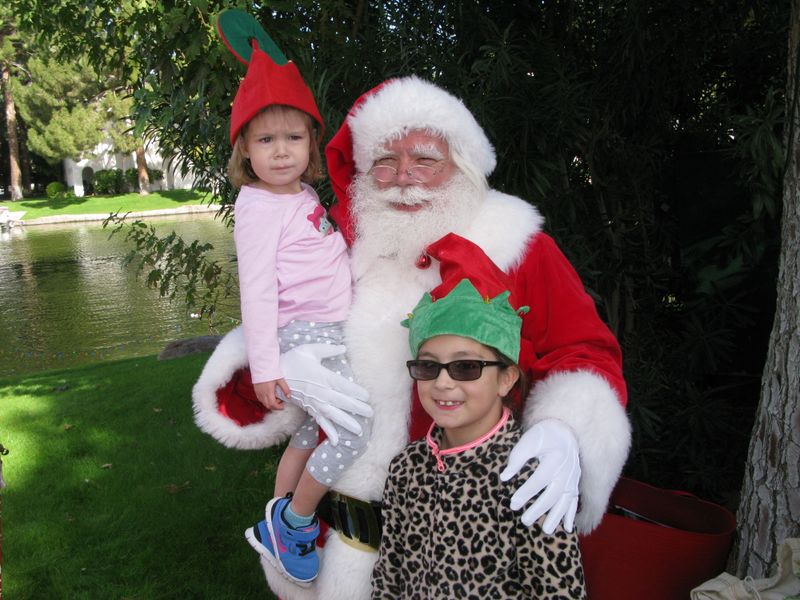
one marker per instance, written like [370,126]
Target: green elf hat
[473,301]
[271,78]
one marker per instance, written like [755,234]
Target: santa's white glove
[558,474]
[326,396]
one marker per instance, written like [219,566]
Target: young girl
[449,531]
[295,284]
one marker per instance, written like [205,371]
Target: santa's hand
[326,396]
[557,475]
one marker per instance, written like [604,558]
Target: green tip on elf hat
[271,78]
[474,301]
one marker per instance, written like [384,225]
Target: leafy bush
[55,189]
[132,179]
[108,181]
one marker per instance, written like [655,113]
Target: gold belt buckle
[357,544]
[354,524]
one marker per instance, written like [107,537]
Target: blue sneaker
[292,551]
[258,537]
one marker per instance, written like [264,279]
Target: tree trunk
[15,182]
[24,159]
[141,168]
[769,511]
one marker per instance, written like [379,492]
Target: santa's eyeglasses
[417,173]
[459,370]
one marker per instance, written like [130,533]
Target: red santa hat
[388,112]
[271,78]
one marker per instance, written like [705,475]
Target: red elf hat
[271,78]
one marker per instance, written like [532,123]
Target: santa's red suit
[572,359]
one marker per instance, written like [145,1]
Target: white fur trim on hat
[229,356]
[408,104]
[589,405]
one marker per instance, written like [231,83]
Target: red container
[655,544]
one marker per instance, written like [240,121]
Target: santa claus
[409,166]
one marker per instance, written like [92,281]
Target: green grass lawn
[45,207]
[113,492]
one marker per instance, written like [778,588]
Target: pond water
[67,298]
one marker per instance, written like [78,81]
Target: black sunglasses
[459,370]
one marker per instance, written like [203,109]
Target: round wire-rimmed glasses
[417,173]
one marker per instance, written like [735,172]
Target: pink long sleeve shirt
[292,265]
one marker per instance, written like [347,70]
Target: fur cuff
[588,404]
[345,574]
[229,356]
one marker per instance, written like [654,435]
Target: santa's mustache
[376,198]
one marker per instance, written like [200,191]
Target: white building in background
[78,174]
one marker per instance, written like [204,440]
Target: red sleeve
[562,331]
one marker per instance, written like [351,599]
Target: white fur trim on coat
[590,406]
[229,356]
[503,228]
[345,574]
[410,103]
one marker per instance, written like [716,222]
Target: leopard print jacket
[449,532]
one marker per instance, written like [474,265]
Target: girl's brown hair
[516,396]
[241,173]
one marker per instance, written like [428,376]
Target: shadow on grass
[113,491]
[183,195]
[178,196]
[54,203]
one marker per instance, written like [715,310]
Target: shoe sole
[273,558]
[250,535]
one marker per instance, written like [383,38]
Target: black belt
[358,522]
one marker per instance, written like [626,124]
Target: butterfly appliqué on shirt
[319,218]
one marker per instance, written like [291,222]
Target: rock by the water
[184,347]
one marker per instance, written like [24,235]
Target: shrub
[108,181]
[132,179]
[55,189]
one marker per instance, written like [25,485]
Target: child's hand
[265,392]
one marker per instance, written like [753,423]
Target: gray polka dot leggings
[327,463]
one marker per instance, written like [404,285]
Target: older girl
[449,530]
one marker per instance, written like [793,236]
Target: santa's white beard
[383,231]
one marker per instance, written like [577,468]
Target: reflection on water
[68,299]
